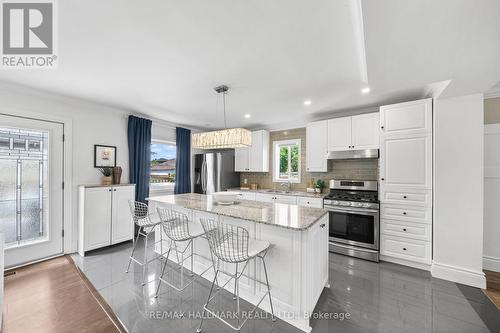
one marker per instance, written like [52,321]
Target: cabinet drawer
[405,196]
[246,196]
[405,248]
[310,202]
[264,197]
[286,199]
[406,213]
[406,229]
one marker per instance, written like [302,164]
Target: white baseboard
[491,263]
[459,275]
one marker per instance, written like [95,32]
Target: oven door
[355,226]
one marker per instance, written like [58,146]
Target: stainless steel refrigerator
[214,172]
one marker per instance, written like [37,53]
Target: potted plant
[107,176]
[320,184]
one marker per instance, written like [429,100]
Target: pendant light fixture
[226,138]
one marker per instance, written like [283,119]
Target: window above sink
[286,161]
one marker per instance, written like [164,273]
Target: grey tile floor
[379,297]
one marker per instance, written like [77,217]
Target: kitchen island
[297,261]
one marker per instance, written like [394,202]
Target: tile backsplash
[363,169]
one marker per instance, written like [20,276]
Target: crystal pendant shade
[226,138]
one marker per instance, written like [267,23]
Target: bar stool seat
[195,230]
[255,247]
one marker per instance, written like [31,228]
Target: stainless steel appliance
[353,154]
[354,218]
[214,172]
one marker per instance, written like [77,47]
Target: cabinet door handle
[322,225]
[382,178]
[109,190]
[404,213]
[382,127]
[404,196]
[404,248]
[404,229]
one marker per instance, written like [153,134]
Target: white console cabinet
[104,216]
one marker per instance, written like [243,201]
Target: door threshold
[8,269]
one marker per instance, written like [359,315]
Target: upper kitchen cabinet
[356,132]
[339,134]
[406,118]
[256,157]
[365,131]
[316,146]
[406,145]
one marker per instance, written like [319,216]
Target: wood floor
[493,287]
[53,296]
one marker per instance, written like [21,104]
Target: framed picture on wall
[104,156]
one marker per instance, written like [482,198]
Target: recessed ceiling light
[248,115]
[307,102]
[365,90]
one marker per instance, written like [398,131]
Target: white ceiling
[162,58]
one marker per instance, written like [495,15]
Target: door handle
[322,225]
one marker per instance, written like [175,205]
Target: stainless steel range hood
[352,154]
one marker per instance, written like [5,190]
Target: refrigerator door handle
[204,176]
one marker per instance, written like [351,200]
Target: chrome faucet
[286,186]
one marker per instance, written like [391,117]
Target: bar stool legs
[267,283]
[133,250]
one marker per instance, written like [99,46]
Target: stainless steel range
[354,218]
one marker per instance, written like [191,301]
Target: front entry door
[31,191]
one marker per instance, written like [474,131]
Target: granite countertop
[282,215]
[278,192]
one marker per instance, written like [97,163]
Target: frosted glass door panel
[8,199]
[23,185]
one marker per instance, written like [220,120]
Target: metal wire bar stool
[146,223]
[178,228]
[231,244]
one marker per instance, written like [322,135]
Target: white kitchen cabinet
[310,202]
[410,250]
[104,216]
[406,118]
[365,131]
[316,146]
[285,199]
[406,196]
[246,195]
[406,213]
[339,134]
[256,157]
[355,132]
[276,198]
[264,197]
[406,183]
[241,159]
[412,230]
[406,161]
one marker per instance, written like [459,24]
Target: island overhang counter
[297,262]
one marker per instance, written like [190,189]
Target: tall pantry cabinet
[406,183]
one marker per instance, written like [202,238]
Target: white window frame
[276,160]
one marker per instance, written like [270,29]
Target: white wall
[458,190]
[91,124]
[491,247]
